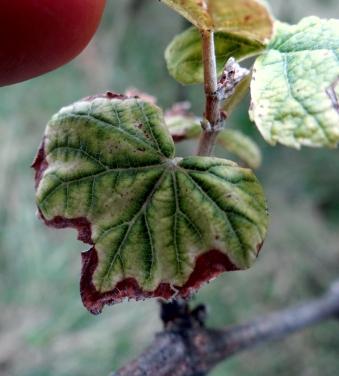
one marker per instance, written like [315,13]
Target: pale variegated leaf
[293,89]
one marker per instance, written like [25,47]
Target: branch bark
[192,350]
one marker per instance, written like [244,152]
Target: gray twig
[193,350]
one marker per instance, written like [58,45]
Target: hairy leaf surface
[247,18]
[159,225]
[291,100]
[184,54]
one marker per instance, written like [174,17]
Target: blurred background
[44,329]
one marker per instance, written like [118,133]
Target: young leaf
[184,54]
[247,18]
[290,86]
[159,226]
[183,125]
[240,145]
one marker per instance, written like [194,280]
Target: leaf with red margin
[159,226]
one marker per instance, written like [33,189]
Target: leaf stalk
[212,120]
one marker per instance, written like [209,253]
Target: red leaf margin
[208,266]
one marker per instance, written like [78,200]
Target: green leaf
[181,123]
[247,18]
[291,101]
[159,225]
[240,145]
[183,127]
[184,54]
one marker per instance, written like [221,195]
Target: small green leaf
[291,101]
[240,145]
[183,127]
[160,226]
[181,123]
[247,18]
[184,54]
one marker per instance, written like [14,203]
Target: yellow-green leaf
[240,145]
[247,18]
[183,127]
[186,126]
[159,226]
